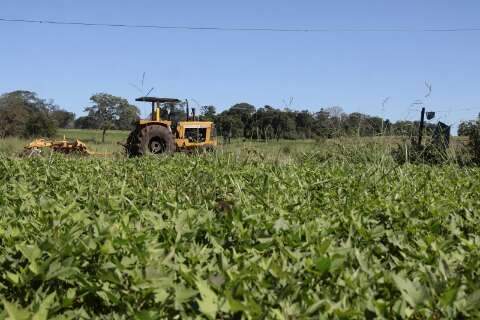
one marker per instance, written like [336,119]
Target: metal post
[157,112]
[422,125]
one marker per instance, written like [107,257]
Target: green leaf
[42,313]
[147,315]
[14,312]
[57,270]
[414,294]
[280,225]
[13,277]
[233,304]
[323,264]
[107,247]
[362,261]
[449,296]
[323,247]
[69,297]
[161,295]
[31,252]
[209,301]
[183,294]
[473,300]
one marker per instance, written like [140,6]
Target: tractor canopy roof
[159,100]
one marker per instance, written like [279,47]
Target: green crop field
[278,230]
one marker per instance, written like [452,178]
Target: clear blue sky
[353,70]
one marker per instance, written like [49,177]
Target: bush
[40,125]
[286,149]
[24,114]
[474,143]
[419,154]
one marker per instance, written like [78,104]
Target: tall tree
[304,120]
[63,118]
[86,122]
[244,113]
[127,116]
[466,128]
[111,112]
[19,112]
[208,113]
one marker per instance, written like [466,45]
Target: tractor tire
[150,139]
[132,147]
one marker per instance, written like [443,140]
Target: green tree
[236,121]
[284,125]
[229,127]
[86,122]
[473,132]
[304,121]
[321,125]
[19,112]
[111,112]
[243,114]
[39,124]
[63,118]
[126,116]
[12,119]
[208,113]
[466,127]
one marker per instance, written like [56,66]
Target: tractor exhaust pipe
[193,114]
[188,110]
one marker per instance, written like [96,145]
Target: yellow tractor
[157,136]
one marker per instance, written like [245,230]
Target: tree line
[468,128]
[245,121]
[23,113]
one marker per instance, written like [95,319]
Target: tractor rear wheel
[150,139]
[132,147]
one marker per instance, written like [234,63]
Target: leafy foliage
[474,141]
[429,153]
[245,121]
[208,113]
[225,236]
[108,112]
[466,128]
[24,114]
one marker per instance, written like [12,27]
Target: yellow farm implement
[64,146]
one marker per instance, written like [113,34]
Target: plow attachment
[64,146]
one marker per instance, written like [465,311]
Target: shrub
[420,154]
[40,125]
[474,143]
[24,114]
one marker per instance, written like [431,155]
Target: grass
[93,139]
[272,150]
[12,146]
[286,230]
[94,136]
